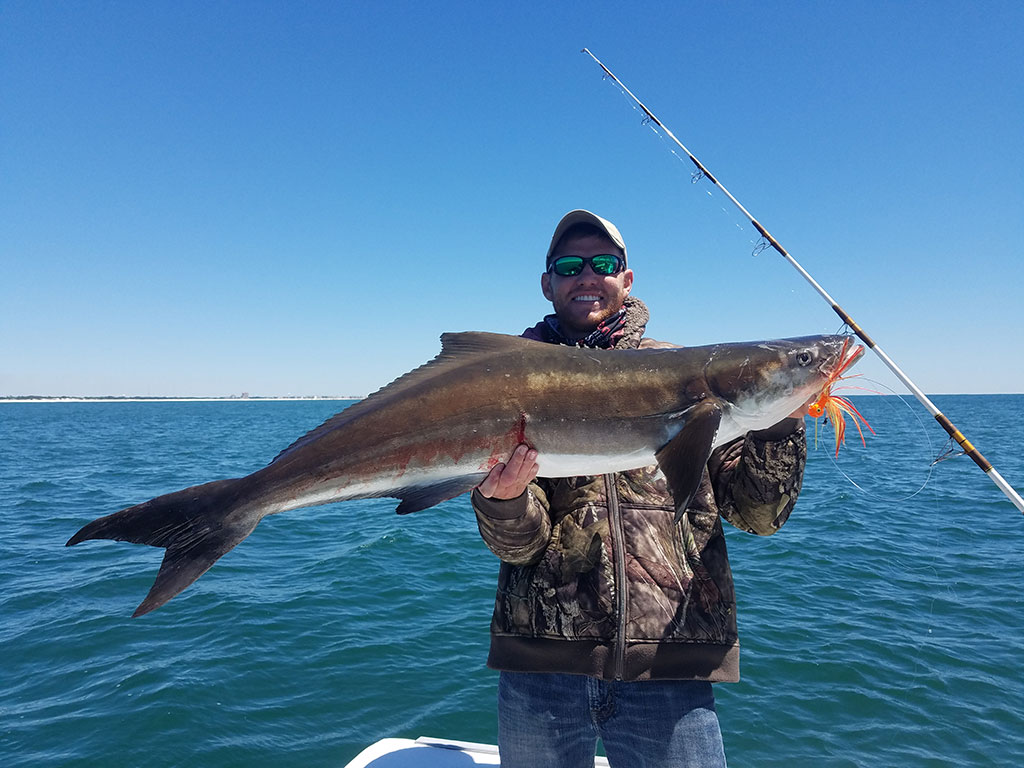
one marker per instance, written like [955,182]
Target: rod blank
[946,424]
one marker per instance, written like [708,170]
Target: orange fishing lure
[836,407]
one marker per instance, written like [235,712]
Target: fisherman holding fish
[612,620]
[615,607]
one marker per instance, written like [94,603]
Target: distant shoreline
[238,399]
[170,399]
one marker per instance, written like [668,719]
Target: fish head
[761,383]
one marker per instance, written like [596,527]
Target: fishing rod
[940,417]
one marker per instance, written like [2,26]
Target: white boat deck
[426,752]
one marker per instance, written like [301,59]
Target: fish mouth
[834,369]
[845,358]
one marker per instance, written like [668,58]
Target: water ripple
[876,631]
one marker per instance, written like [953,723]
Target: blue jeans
[555,720]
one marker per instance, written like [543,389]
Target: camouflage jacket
[596,578]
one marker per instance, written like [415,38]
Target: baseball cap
[580,216]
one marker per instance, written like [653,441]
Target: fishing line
[944,422]
[882,434]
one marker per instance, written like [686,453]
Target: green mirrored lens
[605,264]
[568,266]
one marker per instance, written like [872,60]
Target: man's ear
[545,286]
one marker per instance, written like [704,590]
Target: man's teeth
[587,297]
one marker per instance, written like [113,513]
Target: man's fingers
[530,467]
[509,480]
[518,460]
[491,482]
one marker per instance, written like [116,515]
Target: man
[611,621]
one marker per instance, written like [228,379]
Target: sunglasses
[604,265]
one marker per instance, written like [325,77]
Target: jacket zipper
[618,537]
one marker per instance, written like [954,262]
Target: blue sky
[299,198]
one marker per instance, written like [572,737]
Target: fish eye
[804,358]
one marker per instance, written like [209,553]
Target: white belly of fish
[571,465]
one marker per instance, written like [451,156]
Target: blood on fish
[522,427]
[501,450]
[836,407]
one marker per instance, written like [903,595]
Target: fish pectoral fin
[683,458]
[420,497]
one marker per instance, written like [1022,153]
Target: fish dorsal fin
[456,349]
[457,345]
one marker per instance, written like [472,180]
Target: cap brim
[585,217]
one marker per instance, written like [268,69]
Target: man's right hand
[509,480]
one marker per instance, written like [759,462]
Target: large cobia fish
[435,432]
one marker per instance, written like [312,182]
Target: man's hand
[509,480]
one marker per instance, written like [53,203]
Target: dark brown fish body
[435,433]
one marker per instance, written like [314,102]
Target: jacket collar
[621,331]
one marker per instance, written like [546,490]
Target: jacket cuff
[786,428]
[500,509]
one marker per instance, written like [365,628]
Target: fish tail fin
[196,526]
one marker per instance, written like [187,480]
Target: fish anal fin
[683,458]
[421,497]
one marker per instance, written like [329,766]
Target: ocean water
[882,626]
